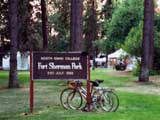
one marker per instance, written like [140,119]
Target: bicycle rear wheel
[75,100]
[106,102]
[63,97]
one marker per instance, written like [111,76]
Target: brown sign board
[64,66]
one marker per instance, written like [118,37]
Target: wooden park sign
[62,66]
[58,66]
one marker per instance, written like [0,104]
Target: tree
[30,35]
[133,44]
[4,19]
[107,9]
[23,25]
[127,15]
[13,15]
[147,42]
[34,29]
[156,63]
[76,25]
[59,22]
[91,29]
[103,43]
[90,25]
[133,41]
[44,25]
[107,13]
[151,40]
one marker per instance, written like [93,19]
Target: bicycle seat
[100,81]
[96,82]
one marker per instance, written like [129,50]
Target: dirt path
[153,87]
[143,89]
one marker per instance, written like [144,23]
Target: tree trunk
[106,65]
[1,61]
[13,78]
[73,24]
[44,25]
[93,32]
[76,25]
[151,57]
[147,41]
[23,25]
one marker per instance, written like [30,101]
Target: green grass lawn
[14,103]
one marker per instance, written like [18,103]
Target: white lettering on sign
[69,73]
[59,73]
[58,58]
[41,66]
[50,73]
[53,66]
[62,67]
[46,58]
[72,58]
[78,66]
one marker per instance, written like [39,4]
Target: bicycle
[105,98]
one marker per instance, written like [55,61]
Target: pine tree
[148,40]
[76,25]
[13,15]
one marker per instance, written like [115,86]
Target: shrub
[136,70]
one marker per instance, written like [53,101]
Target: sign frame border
[57,78]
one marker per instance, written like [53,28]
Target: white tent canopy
[117,54]
[22,62]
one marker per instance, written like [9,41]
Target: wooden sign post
[31,84]
[88,84]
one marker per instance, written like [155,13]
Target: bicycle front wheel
[75,100]
[63,97]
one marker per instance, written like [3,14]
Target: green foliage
[136,70]
[22,24]
[29,31]
[34,41]
[60,24]
[99,44]
[127,15]
[4,14]
[105,45]
[154,72]
[90,27]
[58,44]
[107,9]
[133,41]
[156,63]
[132,45]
